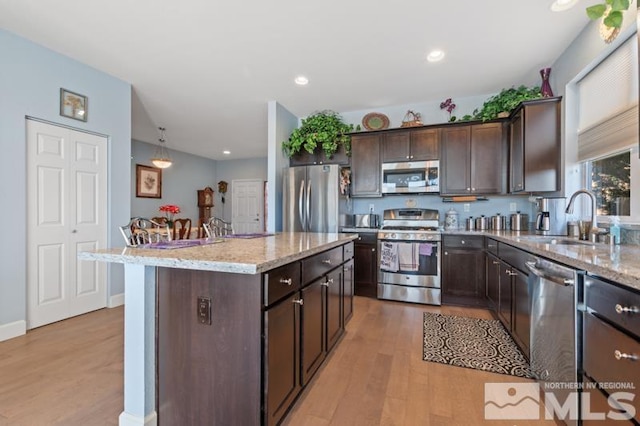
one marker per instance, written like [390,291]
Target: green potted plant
[506,101]
[324,129]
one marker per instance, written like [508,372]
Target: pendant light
[161,157]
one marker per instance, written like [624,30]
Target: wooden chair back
[181,229]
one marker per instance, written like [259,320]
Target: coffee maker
[551,218]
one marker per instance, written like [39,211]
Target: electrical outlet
[371,208]
[513,207]
[466,207]
[204,310]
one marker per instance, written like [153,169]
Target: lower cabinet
[505,295]
[492,269]
[333,307]
[366,265]
[313,332]
[463,276]
[348,280]
[282,344]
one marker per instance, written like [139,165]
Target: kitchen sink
[540,239]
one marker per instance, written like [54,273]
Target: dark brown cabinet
[304,158]
[473,159]
[521,310]
[411,145]
[492,268]
[313,329]
[333,307]
[535,163]
[463,276]
[505,296]
[366,265]
[347,291]
[282,346]
[366,180]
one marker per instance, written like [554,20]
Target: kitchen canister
[498,222]
[482,223]
[470,224]
[519,222]
[451,219]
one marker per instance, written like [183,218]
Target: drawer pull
[511,273]
[330,281]
[287,281]
[621,355]
[327,261]
[324,284]
[495,262]
[625,310]
[298,301]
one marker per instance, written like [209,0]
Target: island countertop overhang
[233,255]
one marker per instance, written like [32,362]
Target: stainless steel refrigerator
[310,198]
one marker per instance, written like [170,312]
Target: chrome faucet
[594,222]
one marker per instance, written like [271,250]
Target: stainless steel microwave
[411,177]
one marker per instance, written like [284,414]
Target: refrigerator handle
[309,205]
[300,205]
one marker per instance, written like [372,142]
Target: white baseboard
[127,419]
[12,329]
[116,300]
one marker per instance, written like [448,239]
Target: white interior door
[67,213]
[247,205]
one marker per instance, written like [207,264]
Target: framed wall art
[73,105]
[148,181]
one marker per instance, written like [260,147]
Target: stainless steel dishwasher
[553,329]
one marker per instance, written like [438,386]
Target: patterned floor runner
[472,343]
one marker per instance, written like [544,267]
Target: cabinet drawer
[315,266]
[281,282]
[601,344]
[491,246]
[348,251]
[515,257]
[607,299]
[462,241]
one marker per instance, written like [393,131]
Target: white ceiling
[206,69]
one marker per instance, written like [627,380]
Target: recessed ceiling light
[561,5]
[301,80]
[435,56]
[225,152]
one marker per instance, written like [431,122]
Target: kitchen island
[229,332]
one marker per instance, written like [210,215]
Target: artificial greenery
[325,129]
[506,101]
[612,19]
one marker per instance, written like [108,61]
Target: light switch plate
[204,310]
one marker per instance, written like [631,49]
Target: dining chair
[216,227]
[181,229]
[160,219]
[141,230]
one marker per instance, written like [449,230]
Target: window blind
[608,102]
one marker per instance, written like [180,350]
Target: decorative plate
[375,121]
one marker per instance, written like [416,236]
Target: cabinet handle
[462,241]
[621,355]
[625,310]
[287,281]
[407,157]
[468,189]
[329,280]
[373,249]
[324,284]
[446,253]
[495,262]
[327,261]
[473,189]
[298,301]
[511,273]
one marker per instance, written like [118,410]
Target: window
[611,184]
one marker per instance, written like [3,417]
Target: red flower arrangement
[169,210]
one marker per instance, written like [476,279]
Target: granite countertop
[235,255]
[619,263]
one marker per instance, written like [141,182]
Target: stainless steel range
[409,256]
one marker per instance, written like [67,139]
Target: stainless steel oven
[409,256]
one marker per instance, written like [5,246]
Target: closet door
[67,213]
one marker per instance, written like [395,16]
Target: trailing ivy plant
[506,101]
[613,18]
[324,129]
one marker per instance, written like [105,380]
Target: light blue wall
[30,80]
[180,182]
[228,170]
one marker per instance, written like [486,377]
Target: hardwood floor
[70,373]
[67,373]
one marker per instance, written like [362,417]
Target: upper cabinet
[366,177]
[535,147]
[411,145]
[303,158]
[473,159]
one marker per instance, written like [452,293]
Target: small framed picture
[73,105]
[148,181]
